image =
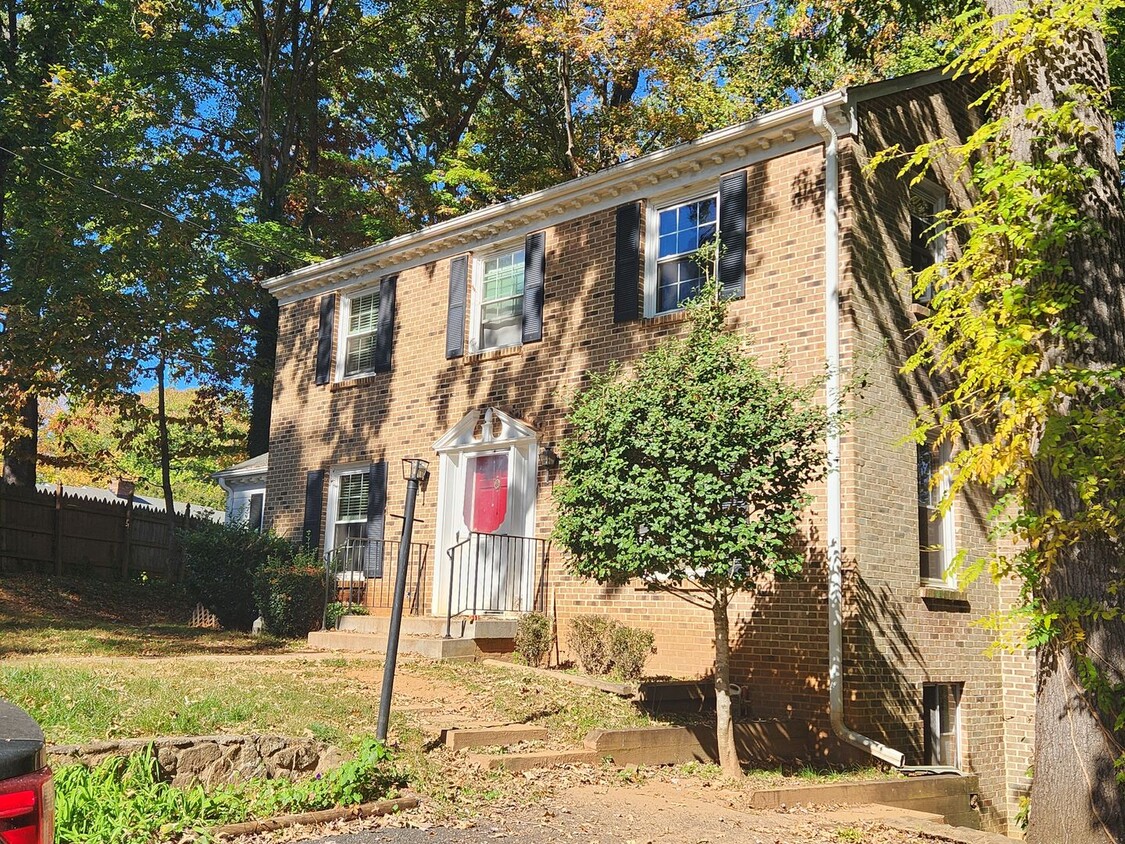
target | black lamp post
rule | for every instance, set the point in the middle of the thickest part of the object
(415, 470)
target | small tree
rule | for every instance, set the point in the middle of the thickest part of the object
(691, 473)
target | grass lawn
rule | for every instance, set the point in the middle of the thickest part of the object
(94, 661)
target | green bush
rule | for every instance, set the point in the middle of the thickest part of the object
(220, 562)
(629, 650)
(591, 637)
(127, 800)
(533, 637)
(338, 609)
(289, 593)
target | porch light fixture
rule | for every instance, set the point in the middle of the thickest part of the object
(548, 458)
(415, 469)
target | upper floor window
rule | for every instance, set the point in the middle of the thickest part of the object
(673, 273)
(935, 528)
(927, 235)
(361, 318)
(498, 311)
(359, 341)
(504, 301)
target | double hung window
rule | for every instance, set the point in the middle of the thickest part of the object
(675, 273)
(349, 493)
(935, 528)
(498, 315)
(362, 318)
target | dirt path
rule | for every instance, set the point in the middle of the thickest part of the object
(582, 803)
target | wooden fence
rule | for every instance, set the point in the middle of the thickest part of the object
(57, 533)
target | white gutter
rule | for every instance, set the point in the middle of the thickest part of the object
(834, 531)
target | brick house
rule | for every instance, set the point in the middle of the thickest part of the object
(461, 343)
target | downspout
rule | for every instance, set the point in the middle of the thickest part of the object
(834, 530)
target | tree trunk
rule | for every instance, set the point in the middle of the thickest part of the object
(724, 725)
(261, 396)
(166, 462)
(1074, 795)
(21, 451)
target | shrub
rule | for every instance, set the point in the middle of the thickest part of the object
(591, 638)
(289, 592)
(533, 637)
(338, 609)
(629, 650)
(220, 562)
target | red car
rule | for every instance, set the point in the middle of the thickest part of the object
(27, 787)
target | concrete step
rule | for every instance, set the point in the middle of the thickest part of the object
(430, 647)
(459, 739)
(423, 625)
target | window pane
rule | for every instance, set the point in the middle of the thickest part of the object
(677, 281)
(667, 245)
(364, 313)
(352, 504)
(360, 355)
(683, 228)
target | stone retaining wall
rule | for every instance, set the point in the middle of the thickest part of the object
(213, 760)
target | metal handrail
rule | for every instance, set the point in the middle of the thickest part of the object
(361, 572)
(494, 573)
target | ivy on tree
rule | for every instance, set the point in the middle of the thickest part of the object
(691, 471)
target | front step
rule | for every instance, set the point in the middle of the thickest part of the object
(421, 636)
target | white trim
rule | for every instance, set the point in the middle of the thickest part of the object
(475, 293)
(515, 438)
(694, 193)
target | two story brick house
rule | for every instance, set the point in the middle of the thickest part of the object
(462, 343)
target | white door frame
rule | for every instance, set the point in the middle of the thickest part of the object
(521, 444)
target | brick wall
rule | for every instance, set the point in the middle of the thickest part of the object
(897, 639)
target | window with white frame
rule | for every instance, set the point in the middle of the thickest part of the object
(941, 707)
(927, 235)
(360, 320)
(935, 528)
(348, 495)
(674, 234)
(497, 319)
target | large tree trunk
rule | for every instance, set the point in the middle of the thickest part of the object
(724, 725)
(166, 462)
(21, 450)
(262, 369)
(1074, 795)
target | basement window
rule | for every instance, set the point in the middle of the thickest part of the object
(941, 705)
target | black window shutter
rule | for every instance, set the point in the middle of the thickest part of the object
(385, 328)
(534, 271)
(324, 338)
(455, 318)
(627, 263)
(314, 503)
(376, 518)
(732, 235)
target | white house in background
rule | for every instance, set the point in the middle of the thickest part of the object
(245, 486)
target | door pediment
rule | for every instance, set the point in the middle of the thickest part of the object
(485, 428)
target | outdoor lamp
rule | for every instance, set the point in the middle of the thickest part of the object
(415, 469)
(548, 458)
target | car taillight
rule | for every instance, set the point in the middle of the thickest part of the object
(27, 809)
